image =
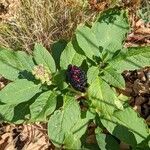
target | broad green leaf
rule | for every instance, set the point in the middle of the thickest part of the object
(19, 91)
(9, 68)
(135, 58)
(106, 141)
(21, 113)
(92, 73)
(80, 128)
(111, 29)
(8, 71)
(43, 106)
(71, 142)
(14, 114)
(87, 42)
(56, 131)
(11, 63)
(111, 76)
(57, 49)
(144, 145)
(78, 59)
(6, 112)
(25, 60)
(90, 115)
(66, 126)
(67, 56)
(42, 56)
(60, 79)
(63, 120)
(102, 96)
(126, 126)
(70, 56)
(88, 143)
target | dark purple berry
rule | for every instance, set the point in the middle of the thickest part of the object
(77, 78)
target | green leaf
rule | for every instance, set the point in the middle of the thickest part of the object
(144, 145)
(11, 63)
(80, 127)
(70, 56)
(66, 121)
(126, 126)
(111, 29)
(111, 76)
(57, 49)
(71, 142)
(21, 113)
(8, 71)
(42, 56)
(102, 96)
(78, 59)
(43, 106)
(6, 112)
(15, 114)
(62, 121)
(135, 58)
(19, 91)
(60, 79)
(25, 61)
(87, 41)
(92, 73)
(67, 56)
(106, 141)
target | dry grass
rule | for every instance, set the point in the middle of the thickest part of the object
(43, 21)
(24, 22)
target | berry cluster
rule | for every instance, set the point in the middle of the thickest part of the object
(77, 78)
